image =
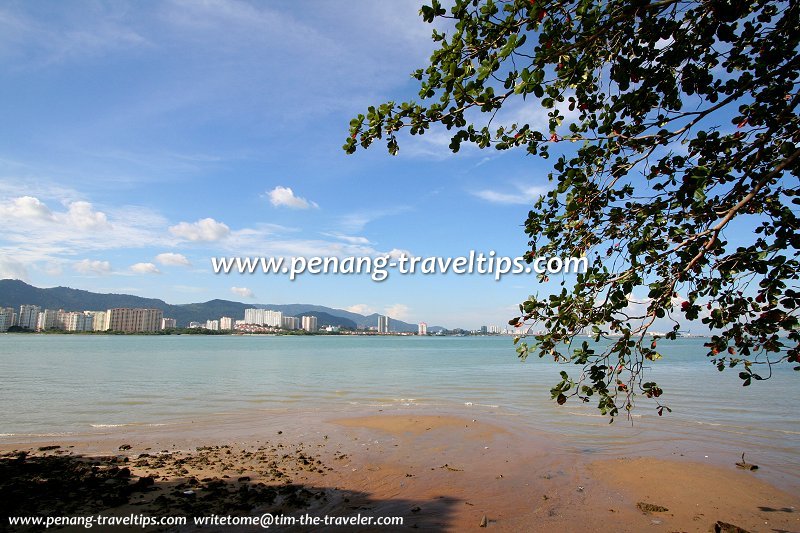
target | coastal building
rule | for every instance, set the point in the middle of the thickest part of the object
(28, 316)
(383, 324)
(7, 316)
(422, 328)
(264, 317)
(212, 325)
(226, 323)
(50, 319)
(99, 320)
(310, 324)
(134, 320)
(78, 321)
(253, 316)
(169, 323)
(291, 322)
(273, 318)
(195, 325)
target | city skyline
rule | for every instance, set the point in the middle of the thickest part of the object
(143, 320)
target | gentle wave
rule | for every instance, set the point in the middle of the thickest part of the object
(62, 434)
(489, 405)
(131, 424)
(598, 415)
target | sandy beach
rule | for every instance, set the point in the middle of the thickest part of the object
(440, 472)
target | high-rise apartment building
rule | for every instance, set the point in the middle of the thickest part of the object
(7, 318)
(383, 324)
(50, 319)
(264, 317)
(28, 316)
(226, 323)
(99, 320)
(422, 328)
(253, 316)
(134, 320)
(273, 318)
(291, 322)
(78, 321)
(310, 324)
(169, 323)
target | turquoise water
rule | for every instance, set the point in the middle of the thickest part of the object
(58, 384)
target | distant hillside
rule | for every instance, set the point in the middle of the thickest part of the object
(14, 293)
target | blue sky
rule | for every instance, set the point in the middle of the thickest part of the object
(141, 139)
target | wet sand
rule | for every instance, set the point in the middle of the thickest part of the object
(441, 472)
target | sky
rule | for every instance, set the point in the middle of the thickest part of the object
(140, 139)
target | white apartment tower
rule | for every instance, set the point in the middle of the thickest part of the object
(422, 328)
(99, 320)
(78, 321)
(263, 317)
(253, 316)
(28, 316)
(7, 317)
(50, 319)
(310, 324)
(383, 324)
(291, 322)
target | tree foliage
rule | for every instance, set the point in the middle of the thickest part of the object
(675, 125)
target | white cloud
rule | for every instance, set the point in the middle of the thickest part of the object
(433, 144)
(284, 196)
(355, 222)
(12, 269)
(397, 253)
(352, 239)
(81, 215)
(242, 292)
(361, 309)
(262, 240)
(523, 195)
(398, 311)
(34, 233)
(145, 268)
(89, 267)
(206, 229)
(172, 259)
(26, 207)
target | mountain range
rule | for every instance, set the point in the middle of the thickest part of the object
(14, 293)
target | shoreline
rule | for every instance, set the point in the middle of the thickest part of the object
(436, 470)
(673, 439)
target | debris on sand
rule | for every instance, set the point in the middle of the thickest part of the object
(648, 508)
(724, 527)
(744, 464)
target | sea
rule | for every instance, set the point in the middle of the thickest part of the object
(62, 385)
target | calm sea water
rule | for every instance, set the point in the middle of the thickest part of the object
(59, 384)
